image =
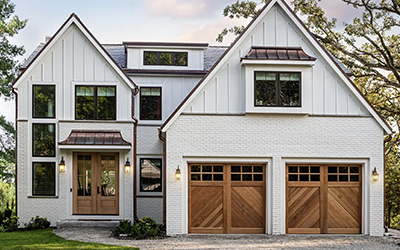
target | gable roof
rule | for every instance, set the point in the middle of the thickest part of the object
(42, 50)
(306, 32)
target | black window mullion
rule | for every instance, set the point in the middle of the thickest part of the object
(277, 90)
(95, 102)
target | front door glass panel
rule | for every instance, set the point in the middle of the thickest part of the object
(84, 175)
(108, 168)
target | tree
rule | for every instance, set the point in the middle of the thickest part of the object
(370, 48)
(9, 26)
(7, 150)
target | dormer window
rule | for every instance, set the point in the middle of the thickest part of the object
(277, 89)
(162, 58)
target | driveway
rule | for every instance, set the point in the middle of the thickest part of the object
(301, 242)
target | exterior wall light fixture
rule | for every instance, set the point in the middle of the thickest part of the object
(375, 175)
(178, 174)
(62, 165)
(127, 166)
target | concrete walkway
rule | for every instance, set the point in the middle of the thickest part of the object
(301, 242)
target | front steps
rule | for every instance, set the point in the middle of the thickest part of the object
(87, 223)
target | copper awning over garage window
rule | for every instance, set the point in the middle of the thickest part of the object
(94, 138)
(278, 53)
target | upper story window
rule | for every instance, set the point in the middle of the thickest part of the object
(165, 58)
(150, 103)
(150, 175)
(277, 89)
(95, 103)
(44, 140)
(44, 97)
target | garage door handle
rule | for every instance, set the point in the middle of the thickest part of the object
(98, 190)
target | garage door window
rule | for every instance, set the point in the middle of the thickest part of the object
(207, 173)
(304, 173)
(247, 173)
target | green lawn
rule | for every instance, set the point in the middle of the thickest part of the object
(45, 239)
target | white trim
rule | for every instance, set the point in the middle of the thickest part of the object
(88, 36)
(185, 182)
(278, 62)
(92, 147)
(366, 169)
(324, 54)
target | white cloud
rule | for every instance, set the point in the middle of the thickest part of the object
(185, 9)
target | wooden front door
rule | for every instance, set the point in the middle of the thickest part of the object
(96, 183)
(323, 199)
(226, 198)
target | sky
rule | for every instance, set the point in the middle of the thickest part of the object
(115, 21)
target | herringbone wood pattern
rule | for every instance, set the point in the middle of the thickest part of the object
(207, 207)
(304, 207)
(247, 207)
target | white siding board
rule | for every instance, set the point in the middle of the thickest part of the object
(79, 65)
(341, 99)
(270, 29)
(89, 63)
(330, 93)
(294, 40)
(281, 29)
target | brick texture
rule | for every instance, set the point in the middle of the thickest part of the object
(276, 137)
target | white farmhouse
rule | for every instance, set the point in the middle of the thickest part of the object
(267, 136)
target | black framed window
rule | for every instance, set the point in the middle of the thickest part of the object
(44, 99)
(95, 103)
(150, 103)
(44, 178)
(150, 174)
(165, 58)
(43, 140)
(277, 89)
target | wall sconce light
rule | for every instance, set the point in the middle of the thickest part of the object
(127, 166)
(375, 175)
(62, 165)
(178, 174)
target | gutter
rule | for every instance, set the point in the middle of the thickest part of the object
(16, 151)
(164, 175)
(134, 92)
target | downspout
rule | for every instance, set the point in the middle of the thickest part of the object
(16, 151)
(134, 92)
(389, 138)
(164, 175)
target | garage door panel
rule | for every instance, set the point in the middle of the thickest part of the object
(247, 207)
(304, 207)
(207, 207)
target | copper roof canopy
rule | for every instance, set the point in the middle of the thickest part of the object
(96, 138)
(278, 53)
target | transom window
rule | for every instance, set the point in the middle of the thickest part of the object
(277, 89)
(150, 175)
(44, 101)
(44, 178)
(150, 103)
(95, 103)
(43, 140)
(165, 58)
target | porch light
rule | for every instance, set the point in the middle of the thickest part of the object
(375, 175)
(178, 174)
(127, 166)
(62, 165)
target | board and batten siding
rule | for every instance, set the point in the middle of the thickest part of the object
(326, 93)
(71, 61)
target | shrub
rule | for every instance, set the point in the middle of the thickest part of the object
(142, 229)
(8, 221)
(37, 223)
(124, 227)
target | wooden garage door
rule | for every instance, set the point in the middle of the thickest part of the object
(226, 198)
(323, 199)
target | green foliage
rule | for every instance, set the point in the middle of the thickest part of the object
(8, 221)
(46, 239)
(7, 150)
(240, 9)
(7, 196)
(37, 223)
(142, 229)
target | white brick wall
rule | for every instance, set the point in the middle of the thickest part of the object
(150, 207)
(148, 142)
(60, 208)
(277, 137)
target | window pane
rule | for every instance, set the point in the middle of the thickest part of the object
(150, 58)
(150, 175)
(43, 178)
(106, 103)
(44, 140)
(150, 103)
(165, 58)
(85, 103)
(44, 101)
(265, 89)
(180, 58)
(289, 89)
